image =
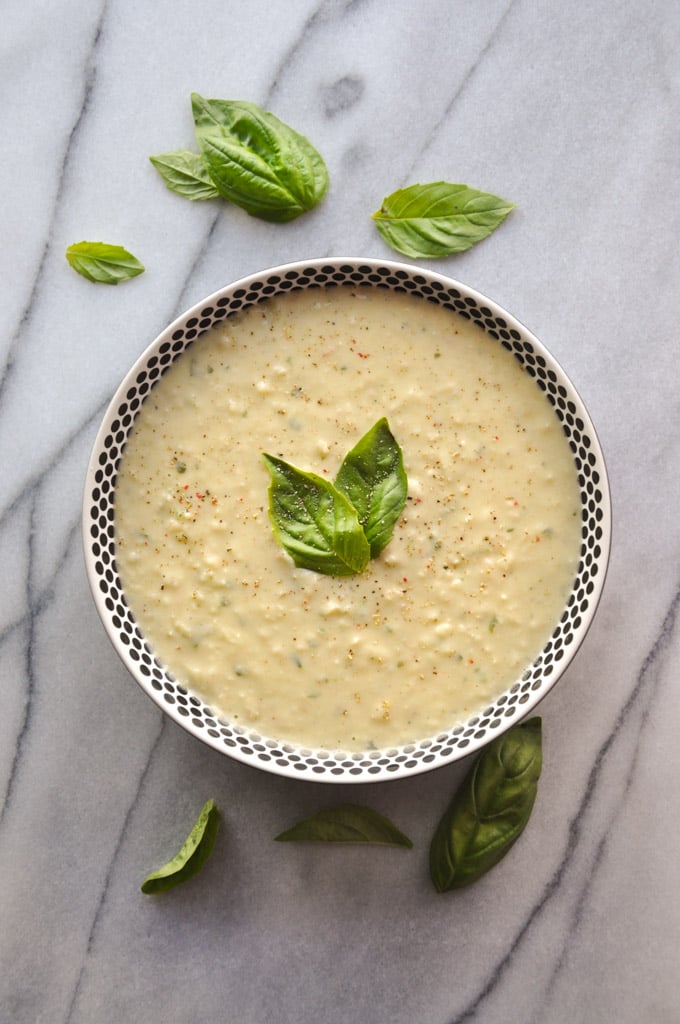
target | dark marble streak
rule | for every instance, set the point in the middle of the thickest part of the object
(467, 78)
(101, 903)
(89, 78)
(641, 699)
(37, 605)
(342, 95)
(325, 12)
(316, 18)
(37, 601)
(642, 695)
(53, 460)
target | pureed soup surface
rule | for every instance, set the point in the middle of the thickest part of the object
(456, 606)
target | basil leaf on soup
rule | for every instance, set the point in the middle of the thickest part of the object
(191, 856)
(490, 809)
(103, 263)
(346, 823)
(373, 478)
(257, 161)
(185, 173)
(439, 218)
(314, 522)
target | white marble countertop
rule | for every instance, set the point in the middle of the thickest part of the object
(571, 110)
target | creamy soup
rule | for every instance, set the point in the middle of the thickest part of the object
(457, 605)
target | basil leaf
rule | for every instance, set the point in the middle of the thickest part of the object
(257, 161)
(185, 173)
(490, 810)
(103, 263)
(314, 522)
(346, 823)
(192, 855)
(439, 218)
(372, 476)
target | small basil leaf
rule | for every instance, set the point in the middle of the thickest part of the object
(346, 823)
(490, 809)
(192, 855)
(373, 478)
(103, 263)
(257, 161)
(439, 218)
(314, 522)
(185, 173)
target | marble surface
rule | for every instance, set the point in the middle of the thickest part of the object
(571, 110)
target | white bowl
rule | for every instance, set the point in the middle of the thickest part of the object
(268, 753)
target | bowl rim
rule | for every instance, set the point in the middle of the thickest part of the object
(292, 768)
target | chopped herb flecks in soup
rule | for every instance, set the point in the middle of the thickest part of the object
(452, 610)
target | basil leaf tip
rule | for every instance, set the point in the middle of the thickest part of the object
(103, 263)
(438, 218)
(372, 476)
(335, 528)
(346, 823)
(490, 809)
(191, 856)
(186, 174)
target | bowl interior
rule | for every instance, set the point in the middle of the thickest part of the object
(266, 752)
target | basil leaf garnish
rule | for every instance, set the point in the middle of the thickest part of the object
(439, 218)
(192, 855)
(489, 810)
(185, 173)
(372, 476)
(346, 823)
(314, 522)
(103, 263)
(257, 161)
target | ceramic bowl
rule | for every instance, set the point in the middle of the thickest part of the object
(267, 753)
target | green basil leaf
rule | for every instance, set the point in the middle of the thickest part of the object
(314, 522)
(439, 218)
(192, 855)
(257, 161)
(185, 173)
(346, 823)
(373, 478)
(490, 810)
(103, 263)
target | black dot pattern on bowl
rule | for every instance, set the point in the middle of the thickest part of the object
(247, 745)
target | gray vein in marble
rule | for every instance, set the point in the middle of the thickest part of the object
(96, 917)
(342, 95)
(37, 604)
(649, 674)
(89, 78)
(646, 678)
(317, 16)
(53, 459)
(467, 78)
(314, 18)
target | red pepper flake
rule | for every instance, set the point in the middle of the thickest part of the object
(362, 355)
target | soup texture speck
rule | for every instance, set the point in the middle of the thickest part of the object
(457, 605)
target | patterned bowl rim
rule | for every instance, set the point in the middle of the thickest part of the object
(284, 758)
